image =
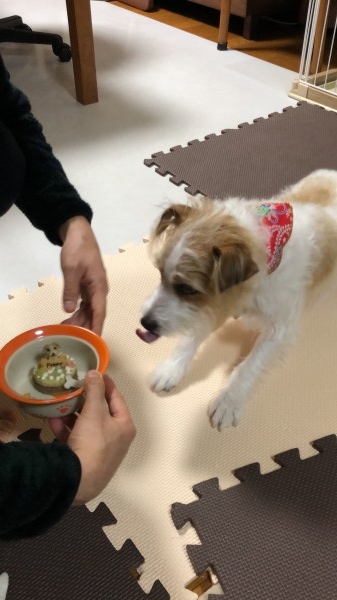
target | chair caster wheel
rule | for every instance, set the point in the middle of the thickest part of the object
(63, 51)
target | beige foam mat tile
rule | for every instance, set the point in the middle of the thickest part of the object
(295, 403)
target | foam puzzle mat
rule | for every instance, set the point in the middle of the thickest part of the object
(267, 490)
(257, 159)
(263, 537)
(83, 561)
(175, 448)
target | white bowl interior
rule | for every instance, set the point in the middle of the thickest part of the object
(20, 365)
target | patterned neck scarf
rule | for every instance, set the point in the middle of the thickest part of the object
(277, 218)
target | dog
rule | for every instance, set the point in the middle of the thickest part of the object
(254, 259)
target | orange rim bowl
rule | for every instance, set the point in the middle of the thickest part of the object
(73, 331)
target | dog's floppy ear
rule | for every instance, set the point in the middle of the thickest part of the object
(233, 264)
(172, 217)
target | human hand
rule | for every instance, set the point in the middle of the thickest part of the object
(7, 423)
(100, 435)
(84, 275)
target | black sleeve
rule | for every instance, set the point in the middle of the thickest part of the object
(38, 483)
(48, 199)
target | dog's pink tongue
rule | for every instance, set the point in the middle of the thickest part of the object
(147, 336)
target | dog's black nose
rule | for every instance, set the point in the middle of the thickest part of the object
(149, 324)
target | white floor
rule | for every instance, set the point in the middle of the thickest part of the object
(158, 87)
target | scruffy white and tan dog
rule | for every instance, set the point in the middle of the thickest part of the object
(254, 259)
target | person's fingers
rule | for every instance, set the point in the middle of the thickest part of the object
(73, 320)
(81, 318)
(61, 427)
(96, 296)
(98, 309)
(117, 406)
(71, 289)
(90, 316)
(7, 422)
(8, 415)
(95, 404)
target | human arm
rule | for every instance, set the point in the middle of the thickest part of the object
(47, 199)
(84, 275)
(100, 435)
(52, 204)
(40, 482)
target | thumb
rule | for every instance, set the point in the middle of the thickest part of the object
(94, 390)
(71, 292)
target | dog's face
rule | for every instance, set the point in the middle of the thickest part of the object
(203, 256)
(51, 350)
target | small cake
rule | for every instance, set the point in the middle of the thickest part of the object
(55, 370)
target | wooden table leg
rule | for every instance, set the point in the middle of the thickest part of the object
(320, 35)
(82, 48)
(225, 11)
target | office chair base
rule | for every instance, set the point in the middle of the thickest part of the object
(13, 29)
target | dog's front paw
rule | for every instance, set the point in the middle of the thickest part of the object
(166, 377)
(225, 411)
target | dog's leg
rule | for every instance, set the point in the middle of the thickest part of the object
(168, 374)
(227, 408)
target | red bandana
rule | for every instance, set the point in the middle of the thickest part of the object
(277, 218)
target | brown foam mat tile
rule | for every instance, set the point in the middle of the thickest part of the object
(273, 536)
(255, 160)
(75, 559)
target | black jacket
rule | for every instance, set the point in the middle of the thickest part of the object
(38, 482)
(47, 198)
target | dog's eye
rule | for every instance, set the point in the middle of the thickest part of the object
(183, 289)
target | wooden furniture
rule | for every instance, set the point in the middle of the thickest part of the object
(141, 4)
(317, 77)
(13, 29)
(225, 11)
(83, 53)
(326, 19)
(249, 10)
(319, 42)
(223, 5)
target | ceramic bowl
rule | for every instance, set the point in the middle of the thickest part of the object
(21, 354)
